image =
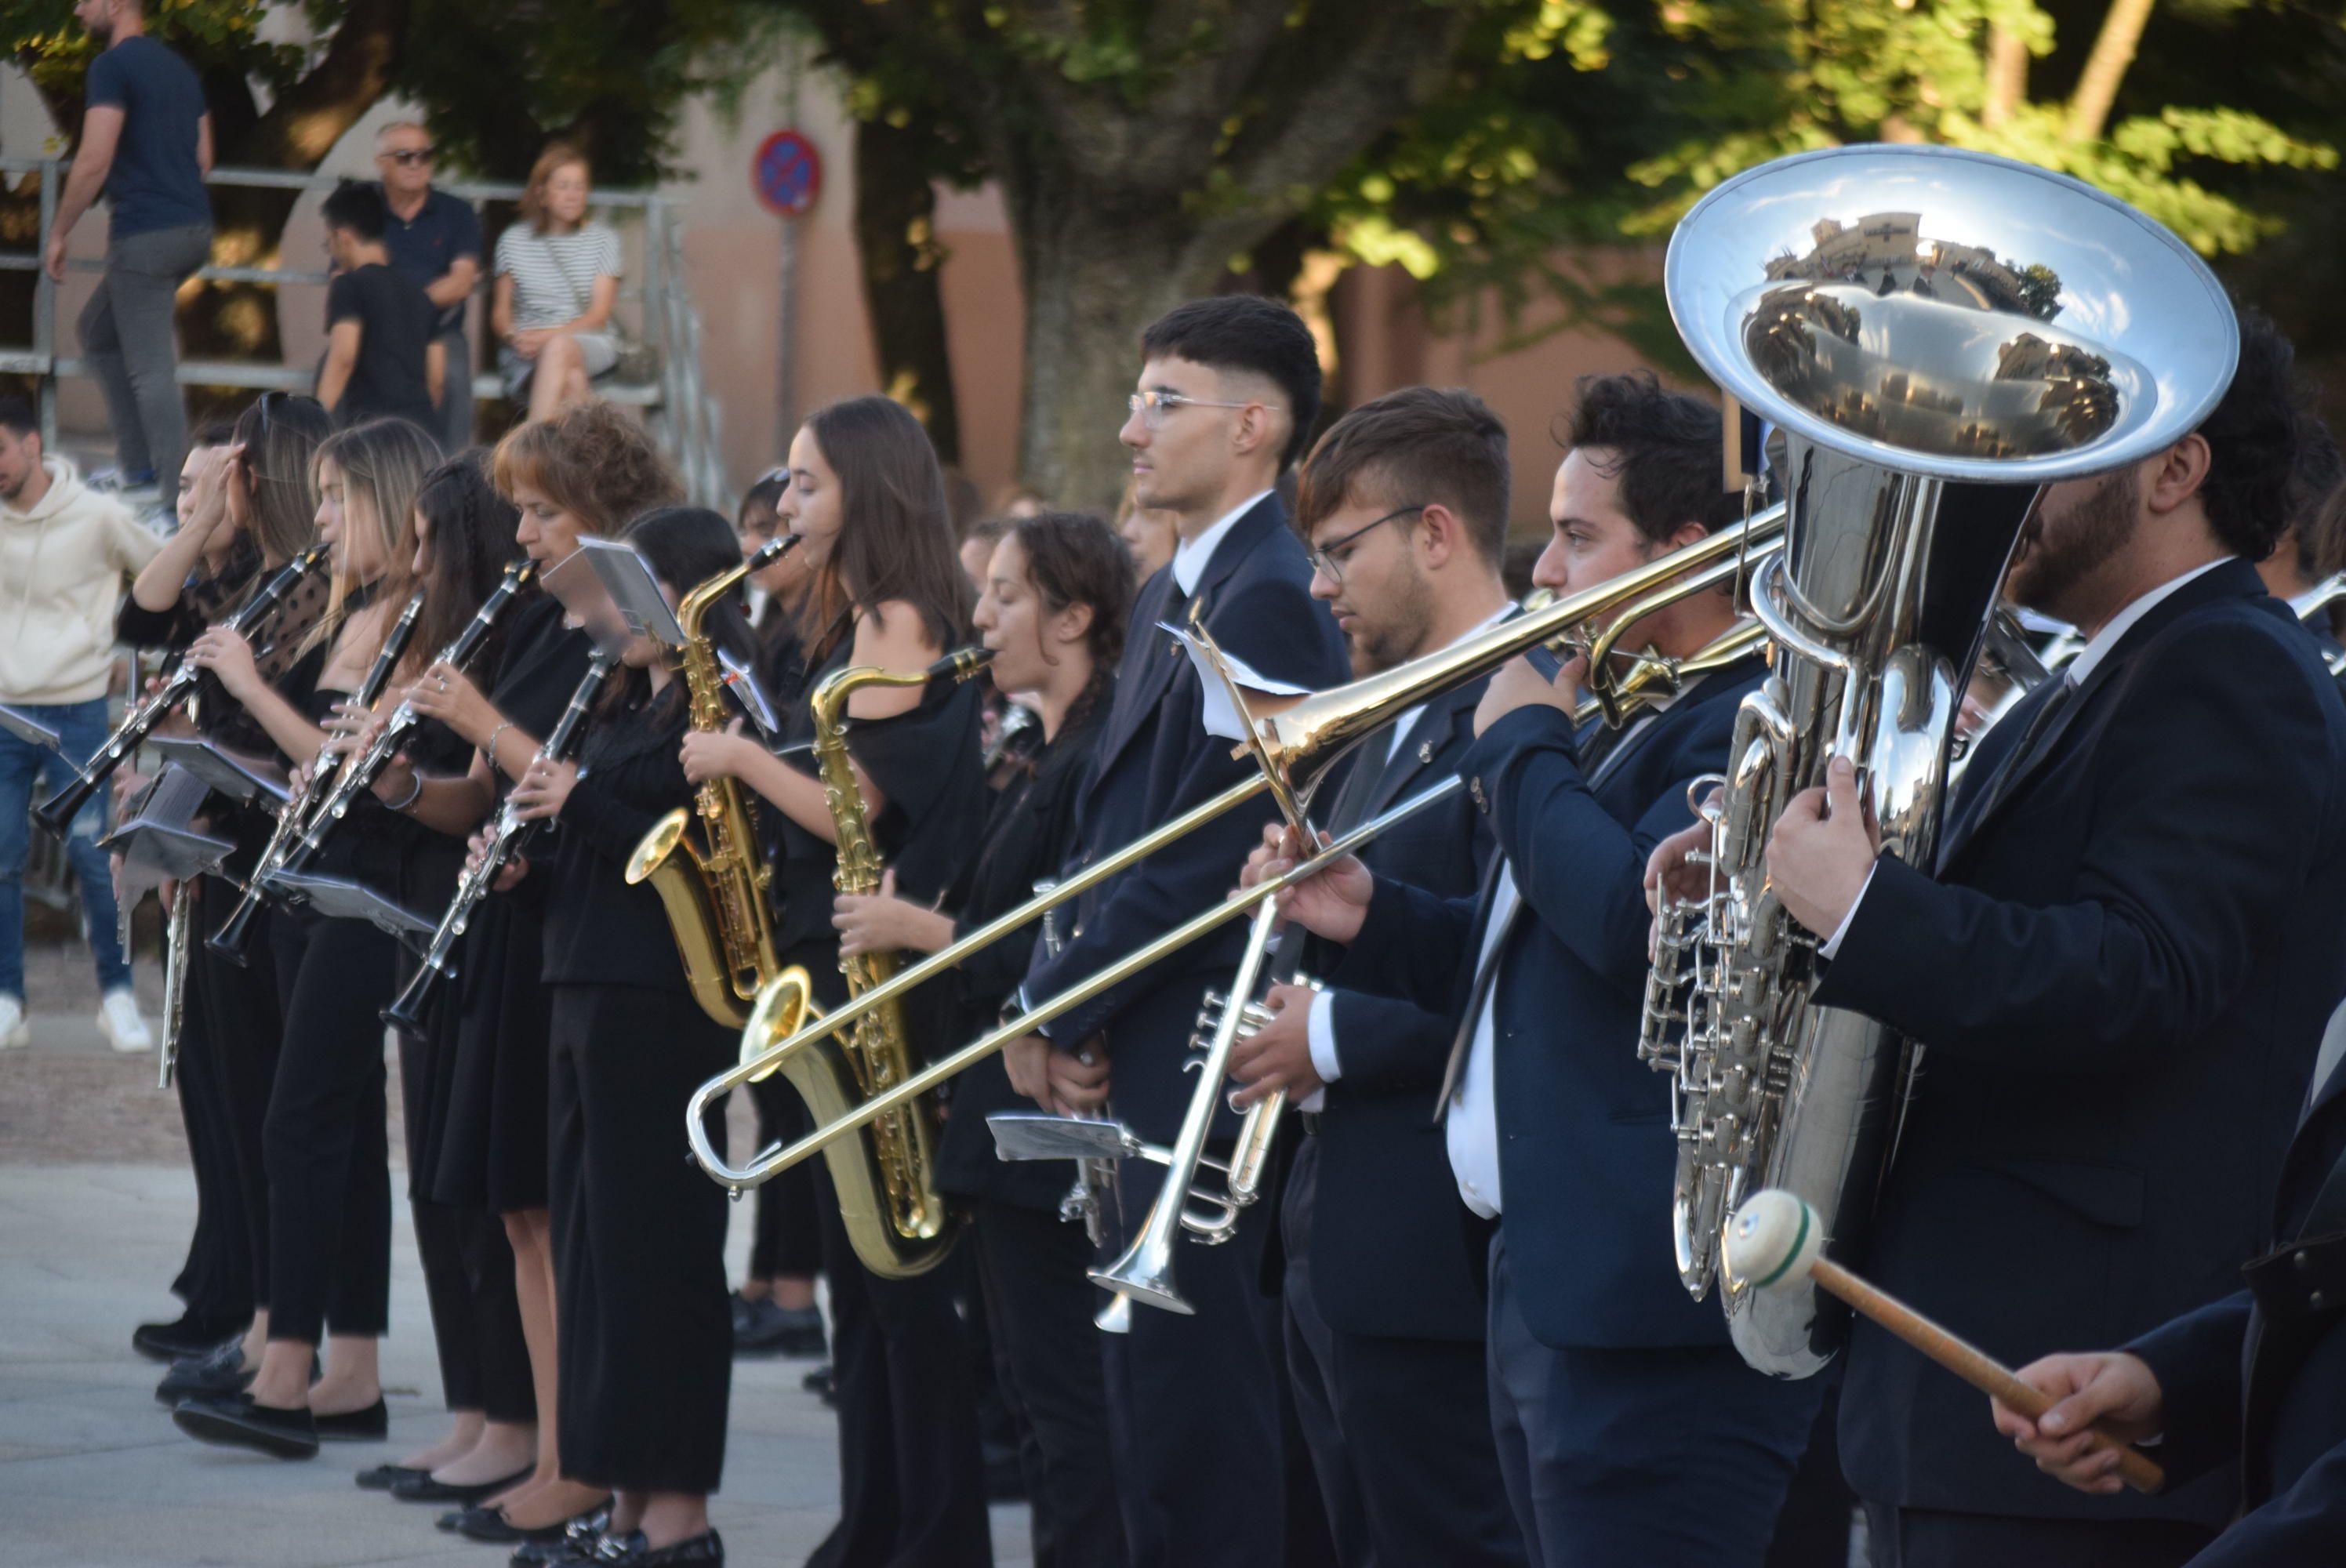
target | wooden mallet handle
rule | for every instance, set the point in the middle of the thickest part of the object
(1776, 1239)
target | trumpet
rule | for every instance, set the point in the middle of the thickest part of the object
(506, 837)
(286, 838)
(1294, 747)
(178, 685)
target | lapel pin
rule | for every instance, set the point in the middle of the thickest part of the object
(1425, 751)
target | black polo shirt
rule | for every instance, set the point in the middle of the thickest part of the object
(422, 247)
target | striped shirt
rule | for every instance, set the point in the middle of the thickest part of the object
(554, 274)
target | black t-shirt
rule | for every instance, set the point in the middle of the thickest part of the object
(394, 318)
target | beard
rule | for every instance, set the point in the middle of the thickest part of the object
(1398, 635)
(2061, 553)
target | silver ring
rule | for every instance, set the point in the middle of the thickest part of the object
(1084, 1059)
(443, 682)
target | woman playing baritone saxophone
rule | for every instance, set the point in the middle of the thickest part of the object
(323, 1140)
(1053, 611)
(868, 499)
(583, 473)
(246, 507)
(647, 1338)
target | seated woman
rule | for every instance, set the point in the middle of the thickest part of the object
(558, 276)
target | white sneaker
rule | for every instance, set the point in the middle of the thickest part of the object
(118, 1020)
(13, 1029)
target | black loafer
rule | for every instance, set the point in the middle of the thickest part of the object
(490, 1524)
(427, 1489)
(234, 1420)
(372, 1424)
(191, 1335)
(706, 1550)
(383, 1477)
(568, 1552)
(581, 1537)
(217, 1371)
(762, 1329)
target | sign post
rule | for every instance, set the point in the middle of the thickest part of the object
(787, 175)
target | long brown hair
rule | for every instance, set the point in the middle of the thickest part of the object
(1074, 558)
(895, 537)
(472, 543)
(280, 433)
(383, 460)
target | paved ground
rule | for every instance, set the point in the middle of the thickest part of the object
(96, 1203)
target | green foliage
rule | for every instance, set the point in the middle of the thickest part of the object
(55, 51)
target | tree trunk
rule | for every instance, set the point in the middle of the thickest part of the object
(2106, 67)
(2007, 75)
(895, 231)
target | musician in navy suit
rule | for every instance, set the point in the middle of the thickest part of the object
(1405, 503)
(1228, 391)
(2255, 1383)
(1628, 1428)
(2119, 973)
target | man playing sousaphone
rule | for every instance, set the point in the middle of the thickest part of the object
(1628, 1428)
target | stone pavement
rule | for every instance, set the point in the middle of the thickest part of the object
(95, 1203)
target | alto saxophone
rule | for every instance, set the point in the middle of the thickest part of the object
(885, 1175)
(714, 890)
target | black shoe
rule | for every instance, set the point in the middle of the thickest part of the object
(235, 1420)
(217, 1371)
(383, 1477)
(490, 1524)
(706, 1550)
(427, 1489)
(192, 1335)
(821, 1383)
(1004, 1481)
(372, 1424)
(581, 1536)
(596, 1548)
(762, 1329)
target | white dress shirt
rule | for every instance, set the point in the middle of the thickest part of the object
(1192, 557)
(1321, 1022)
(2097, 648)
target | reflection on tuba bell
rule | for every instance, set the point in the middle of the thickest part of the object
(1936, 334)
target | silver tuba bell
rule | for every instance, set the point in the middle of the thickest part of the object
(1935, 333)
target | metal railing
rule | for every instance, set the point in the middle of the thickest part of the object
(677, 406)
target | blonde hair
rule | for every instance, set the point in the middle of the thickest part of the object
(384, 461)
(558, 155)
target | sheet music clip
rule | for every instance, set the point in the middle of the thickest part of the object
(30, 731)
(1040, 1135)
(628, 577)
(337, 899)
(240, 779)
(742, 682)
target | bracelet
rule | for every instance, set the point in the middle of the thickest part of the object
(415, 793)
(502, 726)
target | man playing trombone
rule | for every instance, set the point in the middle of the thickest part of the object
(1405, 504)
(1628, 1428)
(1226, 397)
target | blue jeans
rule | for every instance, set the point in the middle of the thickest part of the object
(24, 769)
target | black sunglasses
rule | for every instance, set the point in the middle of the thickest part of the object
(413, 154)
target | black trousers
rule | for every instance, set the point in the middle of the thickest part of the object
(216, 1280)
(468, 1275)
(323, 1140)
(1194, 1424)
(788, 1241)
(645, 1327)
(244, 1027)
(1399, 1429)
(912, 1486)
(1031, 1270)
(1927, 1538)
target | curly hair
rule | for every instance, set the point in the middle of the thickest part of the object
(2255, 438)
(592, 460)
(1667, 451)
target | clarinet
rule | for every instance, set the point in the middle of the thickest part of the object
(508, 836)
(235, 931)
(178, 685)
(358, 777)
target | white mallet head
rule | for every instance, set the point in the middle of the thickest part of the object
(1772, 1240)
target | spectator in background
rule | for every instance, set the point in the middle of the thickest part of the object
(977, 548)
(65, 552)
(1148, 533)
(382, 358)
(557, 277)
(434, 240)
(146, 139)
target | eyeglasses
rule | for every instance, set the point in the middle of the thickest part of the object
(1323, 557)
(1152, 406)
(407, 156)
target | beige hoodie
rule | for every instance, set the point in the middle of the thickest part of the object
(62, 566)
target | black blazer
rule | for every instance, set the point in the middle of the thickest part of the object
(1389, 1247)
(2289, 1439)
(1585, 1156)
(2120, 976)
(1154, 761)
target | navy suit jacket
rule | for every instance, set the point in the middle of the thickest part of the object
(1154, 760)
(1390, 1246)
(2292, 1454)
(2119, 977)
(1585, 1155)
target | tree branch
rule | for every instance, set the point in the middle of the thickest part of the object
(308, 117)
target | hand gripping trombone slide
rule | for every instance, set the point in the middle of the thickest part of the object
(1295, 747)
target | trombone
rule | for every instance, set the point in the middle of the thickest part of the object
(1295, 749)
